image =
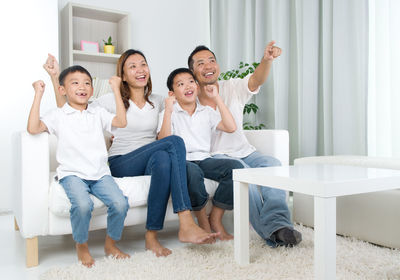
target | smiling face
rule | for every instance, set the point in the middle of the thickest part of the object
(136, 71)
(184, 89)
(205, 68)
(77, 86)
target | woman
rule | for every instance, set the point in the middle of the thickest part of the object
(136, 152)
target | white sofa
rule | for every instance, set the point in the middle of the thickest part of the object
(373, 217)
(41, 207)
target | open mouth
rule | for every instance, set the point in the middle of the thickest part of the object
(209, 74)
(82, 94)
(189, 93)
(141, 78)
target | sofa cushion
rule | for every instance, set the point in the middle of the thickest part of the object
(135, 188)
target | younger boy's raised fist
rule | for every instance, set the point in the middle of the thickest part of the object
(39, 86)
(211, 91)
(115, 82)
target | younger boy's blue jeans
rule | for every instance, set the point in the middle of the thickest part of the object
(219, 170)
(108, 192)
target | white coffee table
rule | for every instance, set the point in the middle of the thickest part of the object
(325, 183)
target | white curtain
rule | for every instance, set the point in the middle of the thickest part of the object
(384, 79)
(318, 87)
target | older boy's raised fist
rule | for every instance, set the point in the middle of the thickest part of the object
(51, 66)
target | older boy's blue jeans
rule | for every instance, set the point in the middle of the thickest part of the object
(108, 192)
(165, 161)
(267, 206)
(219, 170)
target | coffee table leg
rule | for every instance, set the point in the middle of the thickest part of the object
(241, 222)
(325, 238)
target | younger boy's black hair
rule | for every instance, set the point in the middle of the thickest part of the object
(196, 50)
(171, 77)
(72, 69)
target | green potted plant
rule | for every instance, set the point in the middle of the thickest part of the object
(243, 70)
(108, 46)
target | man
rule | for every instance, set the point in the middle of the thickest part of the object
(269, 214)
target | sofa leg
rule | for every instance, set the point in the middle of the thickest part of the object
(16, 227)
(32, 252)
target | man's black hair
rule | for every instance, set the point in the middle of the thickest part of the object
(171, 77)
(196, 50)
(72, 69)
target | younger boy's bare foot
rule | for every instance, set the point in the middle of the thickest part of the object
(154, 245)
(202, 219)
(216, 223)
(111, 249)
(83, 254)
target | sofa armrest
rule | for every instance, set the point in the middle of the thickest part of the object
(31, 182)
(270, 142)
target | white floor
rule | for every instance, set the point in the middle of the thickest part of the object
(59, 250)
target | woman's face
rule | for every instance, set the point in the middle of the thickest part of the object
(136, 71)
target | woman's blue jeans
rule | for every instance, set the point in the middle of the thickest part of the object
(268, 208)
(165, 161)
(108, 192)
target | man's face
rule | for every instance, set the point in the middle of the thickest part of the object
(205, 68)
(185, 88)
(78, 88)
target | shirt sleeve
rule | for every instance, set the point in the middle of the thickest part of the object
(106, 101)
(240, 88)
(51, 120)
(215, 118)
(106, 119)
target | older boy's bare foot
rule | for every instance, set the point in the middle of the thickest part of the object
(216, 223)
(83, 254)
(154, 245)
(111, 249)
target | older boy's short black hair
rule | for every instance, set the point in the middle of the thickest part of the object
(196, 50)
(72, 69)
(171, 77)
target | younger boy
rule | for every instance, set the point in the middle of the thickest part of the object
(195, 124)
(82, 155)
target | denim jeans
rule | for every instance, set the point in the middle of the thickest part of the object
(219, 170)
(165, 161)
(267, 206)
(108, 192)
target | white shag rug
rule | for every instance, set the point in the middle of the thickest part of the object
(355, 260)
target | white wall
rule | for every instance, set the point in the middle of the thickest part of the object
(165, 31)
(28, 31)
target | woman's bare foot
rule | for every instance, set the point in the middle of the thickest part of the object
(216, 223)
(83, 254)
(154, 245)
(190, 232)
(111, 249)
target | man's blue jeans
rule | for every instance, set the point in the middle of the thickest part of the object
(219, 170)
(267, 206)
(108, 192)
(165, 161)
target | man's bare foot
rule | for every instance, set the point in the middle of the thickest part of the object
(83, 254)
(190, 232)
(111, 249)
(154, 245)
(216, 223)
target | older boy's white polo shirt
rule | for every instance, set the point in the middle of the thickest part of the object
(81, 148)
(235, 93)
(195, 130)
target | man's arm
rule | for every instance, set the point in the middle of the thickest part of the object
(227, 122)
(35, 125)
(166, 124)
(261, 73)
(120, 118)
(53, 69)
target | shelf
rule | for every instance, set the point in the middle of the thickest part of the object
(95, 57)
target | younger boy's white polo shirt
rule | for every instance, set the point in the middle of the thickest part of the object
(195, 130)
(81, 148)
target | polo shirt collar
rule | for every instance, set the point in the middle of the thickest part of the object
(199, 107)
(69, 110)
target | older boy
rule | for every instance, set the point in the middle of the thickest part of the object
(82, 156)
(269, 214)
(195, 124)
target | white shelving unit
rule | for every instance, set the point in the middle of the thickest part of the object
(81, 22)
